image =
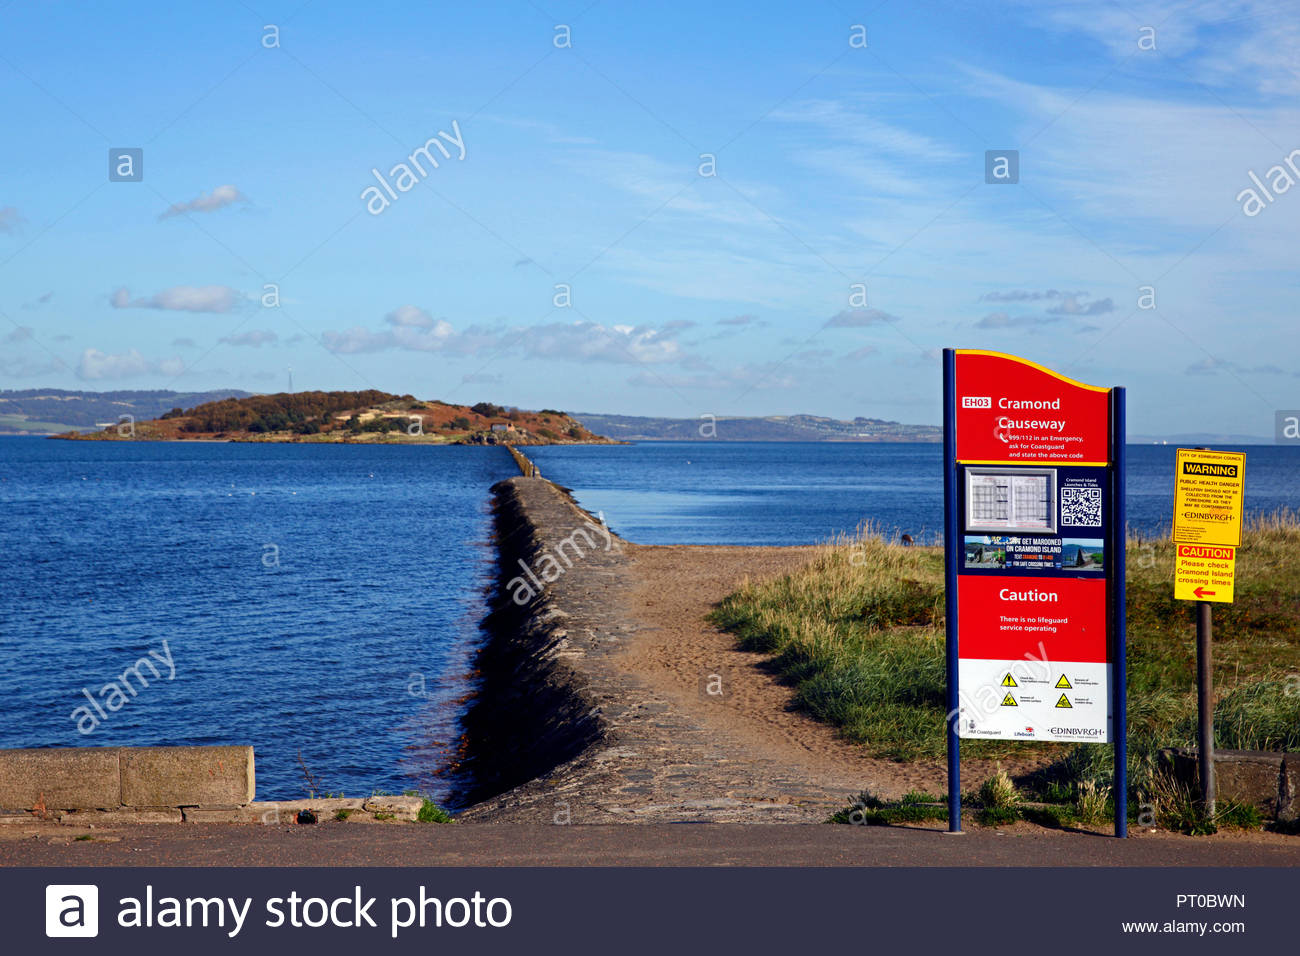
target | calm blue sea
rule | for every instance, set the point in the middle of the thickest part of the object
(325, 599)
(315, 599)
(804, 493)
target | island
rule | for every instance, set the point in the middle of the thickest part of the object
(365, 416)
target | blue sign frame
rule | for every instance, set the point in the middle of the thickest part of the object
(1115, 537)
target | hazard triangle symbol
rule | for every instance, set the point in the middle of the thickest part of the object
(1064, 702)
(1064, 682)
(1009, 681)
(1010, 701)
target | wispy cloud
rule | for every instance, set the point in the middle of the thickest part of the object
(255, 338)
(1071, 305)
(591, 341)
(413, 329)
(181, 298)
(762, 376)
(439, 337)
(1003, 320)
(96, 365)
(1024, 295)
(857, 355)
(1211, 366)
(1220, 42)
(859, 318)
(219, 198)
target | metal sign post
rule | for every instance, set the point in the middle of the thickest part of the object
(1209, 498)
(1034, 540)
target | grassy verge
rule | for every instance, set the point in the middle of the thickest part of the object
(859, 633)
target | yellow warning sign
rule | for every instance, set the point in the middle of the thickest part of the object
(1204, 572)
(1064, 702)
(1064, 682)
(1009, 701)
(1209, 489)
(1009, 681)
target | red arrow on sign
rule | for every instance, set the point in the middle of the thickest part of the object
(1200, 592)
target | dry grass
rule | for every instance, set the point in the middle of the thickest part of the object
(860, 634)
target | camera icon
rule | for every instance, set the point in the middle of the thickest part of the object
(71, 909)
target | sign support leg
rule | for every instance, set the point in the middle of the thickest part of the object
(953, 547)
(1205, 702)
(1116, 558)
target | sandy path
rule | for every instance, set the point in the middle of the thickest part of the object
(673, 589)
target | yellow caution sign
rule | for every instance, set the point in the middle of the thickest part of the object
(1209, 491)
(1204, 572)
(1009, 681)
(1064, 682)
(1064, 702)
(1009, 701)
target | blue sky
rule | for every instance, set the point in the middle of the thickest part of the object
(835, 167)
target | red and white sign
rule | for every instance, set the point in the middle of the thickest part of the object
(1032, 651)
(1010, 411)
(1033, 658)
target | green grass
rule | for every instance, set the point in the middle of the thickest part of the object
(859, 634)
(914, 807)
(430, 812)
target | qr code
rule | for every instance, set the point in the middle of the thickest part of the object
(1081, 507)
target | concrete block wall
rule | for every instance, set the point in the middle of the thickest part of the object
(109, 778)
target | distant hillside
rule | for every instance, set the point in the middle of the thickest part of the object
(49, 411)
(771, 428)
(367, 416)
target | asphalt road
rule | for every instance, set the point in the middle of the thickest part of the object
(353, 844)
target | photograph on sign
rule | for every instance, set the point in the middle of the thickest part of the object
(993, 552)
(1009, 500)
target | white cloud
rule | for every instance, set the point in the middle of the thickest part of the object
(206, 202)
(181, 298)
(438, 337)
(96, 365)
(410, 316)
(591, 341)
